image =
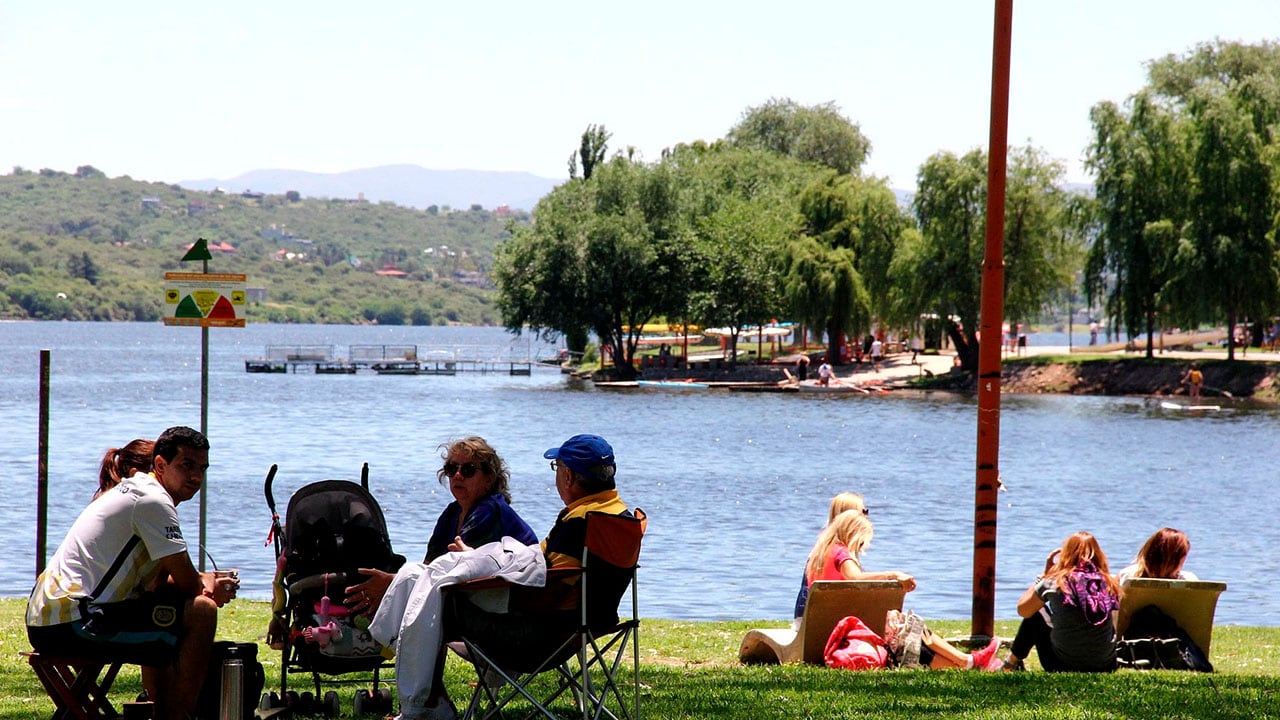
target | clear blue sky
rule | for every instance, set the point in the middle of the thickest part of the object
(170, 91)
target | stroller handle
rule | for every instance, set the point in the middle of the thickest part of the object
(266, 487)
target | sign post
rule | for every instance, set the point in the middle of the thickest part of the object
(206, 300)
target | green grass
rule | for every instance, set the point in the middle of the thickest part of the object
(690, 670)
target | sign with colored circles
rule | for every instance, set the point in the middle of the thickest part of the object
(204, 299)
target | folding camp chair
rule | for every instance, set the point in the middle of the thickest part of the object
(569, 629)
(830, 601)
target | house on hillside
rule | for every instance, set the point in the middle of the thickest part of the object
(391, 271)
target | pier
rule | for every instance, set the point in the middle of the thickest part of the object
(390, 360)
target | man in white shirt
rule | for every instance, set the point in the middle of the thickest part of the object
(122, 586)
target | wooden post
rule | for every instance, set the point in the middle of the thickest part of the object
(988, 453)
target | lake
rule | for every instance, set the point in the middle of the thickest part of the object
(736, 485)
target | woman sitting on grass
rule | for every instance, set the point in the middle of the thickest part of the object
(1069, 612)
(1161, 556)
(836, 557)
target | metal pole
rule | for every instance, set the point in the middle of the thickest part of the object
(42, 466)
(988, 456)
(204, 425)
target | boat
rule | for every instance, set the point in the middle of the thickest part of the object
(836, 386)
(1192, 408)
(335, 367)
(671, 385)
(265, 365)
(396, 367)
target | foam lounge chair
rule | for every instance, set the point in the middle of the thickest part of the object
(829, 602)
(1191, 603)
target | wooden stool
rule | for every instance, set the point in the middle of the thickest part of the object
(77, 685)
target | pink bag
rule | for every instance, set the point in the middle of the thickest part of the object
(854, 646)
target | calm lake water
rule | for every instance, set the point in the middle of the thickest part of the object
(736, 484)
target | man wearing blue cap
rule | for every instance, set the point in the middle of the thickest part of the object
(584, 468)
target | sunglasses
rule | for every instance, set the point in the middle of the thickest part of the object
(467, 469)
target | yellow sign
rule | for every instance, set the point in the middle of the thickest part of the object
(204, 299)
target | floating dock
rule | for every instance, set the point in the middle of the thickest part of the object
(390, 360)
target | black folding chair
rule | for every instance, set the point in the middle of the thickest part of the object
(569, 629)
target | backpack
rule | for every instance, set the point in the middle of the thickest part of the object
(854, 646)
(1155, 641)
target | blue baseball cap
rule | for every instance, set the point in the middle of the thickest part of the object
(582, 453)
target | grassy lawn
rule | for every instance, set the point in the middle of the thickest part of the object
(690, 670)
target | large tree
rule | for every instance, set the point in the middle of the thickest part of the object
(604, 254)
(1226, 264)
(1140, 159)
(815, 133)
(939, 270)
(837, 273)
(740, 208)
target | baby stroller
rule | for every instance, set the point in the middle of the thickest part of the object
(332, 527)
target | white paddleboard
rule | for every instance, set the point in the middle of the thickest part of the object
(1175, 406)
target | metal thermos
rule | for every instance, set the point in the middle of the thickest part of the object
(232, 705)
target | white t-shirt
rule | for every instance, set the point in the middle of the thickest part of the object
(139, 507)
(1132, 572)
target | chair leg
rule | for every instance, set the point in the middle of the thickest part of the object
(75, 687)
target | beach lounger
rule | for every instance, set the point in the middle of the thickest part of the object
(829, 602)
(1191, 603)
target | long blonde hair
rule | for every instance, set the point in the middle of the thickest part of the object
(845, 501)
(851, 529)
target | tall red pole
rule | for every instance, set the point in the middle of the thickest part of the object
(988, 458)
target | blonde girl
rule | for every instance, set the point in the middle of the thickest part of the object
(837, 553)
(839, 503)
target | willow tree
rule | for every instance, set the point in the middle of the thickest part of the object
(1142, 173)
(837, 274)
(1226, 264)
(939, 270)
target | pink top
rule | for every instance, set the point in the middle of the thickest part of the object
(835, 558)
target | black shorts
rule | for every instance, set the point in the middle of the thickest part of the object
(143, 631)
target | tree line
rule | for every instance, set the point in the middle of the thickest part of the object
(776, 220)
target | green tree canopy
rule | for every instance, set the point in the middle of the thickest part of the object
(817, 134)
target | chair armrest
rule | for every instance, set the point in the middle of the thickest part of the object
(559, 593)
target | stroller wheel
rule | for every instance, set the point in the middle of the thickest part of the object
(291, 701)
(384, 701)
(330, 707)
(269, 700)
(362, 704)
(307, 703)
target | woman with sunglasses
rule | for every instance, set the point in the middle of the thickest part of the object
(481, 510)
(480, 513)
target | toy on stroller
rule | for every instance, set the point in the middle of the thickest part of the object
(332, 528)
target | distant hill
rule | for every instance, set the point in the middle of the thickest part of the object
(407, 185)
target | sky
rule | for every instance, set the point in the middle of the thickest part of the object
(170, 91)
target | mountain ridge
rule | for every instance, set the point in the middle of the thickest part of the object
(404, 184)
